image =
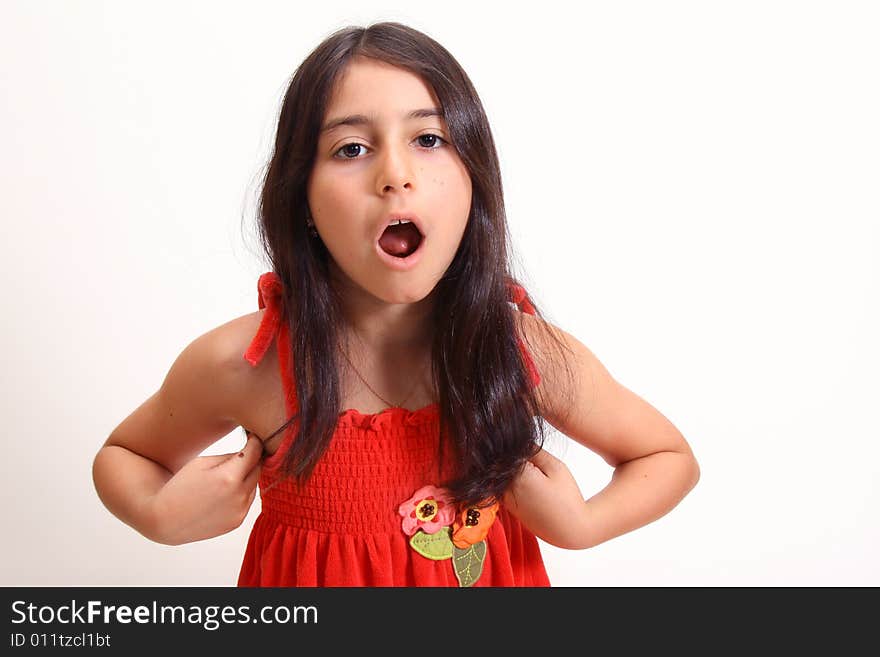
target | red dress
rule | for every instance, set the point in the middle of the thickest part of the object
(343, 527)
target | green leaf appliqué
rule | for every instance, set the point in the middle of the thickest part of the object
(468, 563)
(436, 546)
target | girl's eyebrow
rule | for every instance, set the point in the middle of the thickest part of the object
(361, 119)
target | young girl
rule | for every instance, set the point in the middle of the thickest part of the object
(395, 382)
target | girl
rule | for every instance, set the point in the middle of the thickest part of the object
(409, 372)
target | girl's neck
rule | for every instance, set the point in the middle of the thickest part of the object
(384, 328)
(386, 351)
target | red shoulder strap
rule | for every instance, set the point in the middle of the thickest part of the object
(520, 297)
(270, 296)
(269, 291)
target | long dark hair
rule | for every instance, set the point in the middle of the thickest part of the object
(485, 397)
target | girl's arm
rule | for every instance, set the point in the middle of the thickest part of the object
(127, 483)
(147, 473)
(654, 467)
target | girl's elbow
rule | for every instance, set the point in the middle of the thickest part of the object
(569, 540)
(694, 474)
(576, 545)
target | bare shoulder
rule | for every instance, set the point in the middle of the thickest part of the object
(200, 400)
(228, 344)
(215, 369)
(580, 398)
(556, 355)
(231, 340)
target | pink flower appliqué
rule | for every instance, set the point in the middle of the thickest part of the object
(428, 509)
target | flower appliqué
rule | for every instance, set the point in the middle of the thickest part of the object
(438, 531)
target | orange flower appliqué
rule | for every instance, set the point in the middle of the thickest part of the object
(472, 525)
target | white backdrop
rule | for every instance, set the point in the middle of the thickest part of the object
(692, 189)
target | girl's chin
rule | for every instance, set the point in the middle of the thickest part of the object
(385, 286)
(402, 292)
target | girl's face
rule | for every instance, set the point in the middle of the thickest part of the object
(365, 171)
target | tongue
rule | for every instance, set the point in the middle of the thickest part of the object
(400, 240)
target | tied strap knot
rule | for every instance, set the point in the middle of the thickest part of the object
(269, 293)
(520, 297)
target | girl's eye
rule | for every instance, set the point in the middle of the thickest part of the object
(431, 136)
(350, 151)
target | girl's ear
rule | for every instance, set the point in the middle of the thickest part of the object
(311, 223)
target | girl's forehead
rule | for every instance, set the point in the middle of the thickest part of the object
(370, 86)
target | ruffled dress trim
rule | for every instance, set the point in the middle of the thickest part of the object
(389, 417)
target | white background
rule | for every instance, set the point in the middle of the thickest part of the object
(692, 188)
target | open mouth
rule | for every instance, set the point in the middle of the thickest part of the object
(400, 239)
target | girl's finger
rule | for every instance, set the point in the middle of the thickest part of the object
(214, 460)
(253, 477)
(245, 460)
(545, 462)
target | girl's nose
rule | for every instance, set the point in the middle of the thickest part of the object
(395, 171)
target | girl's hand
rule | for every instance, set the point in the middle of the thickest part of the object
(547, 501)
(207, 497)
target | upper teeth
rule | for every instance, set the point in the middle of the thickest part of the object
(399, 221)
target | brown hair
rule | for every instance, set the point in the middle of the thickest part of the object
(485, 398)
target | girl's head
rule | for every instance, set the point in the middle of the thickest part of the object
(347, 180)
(376, 121)
(384, 149)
